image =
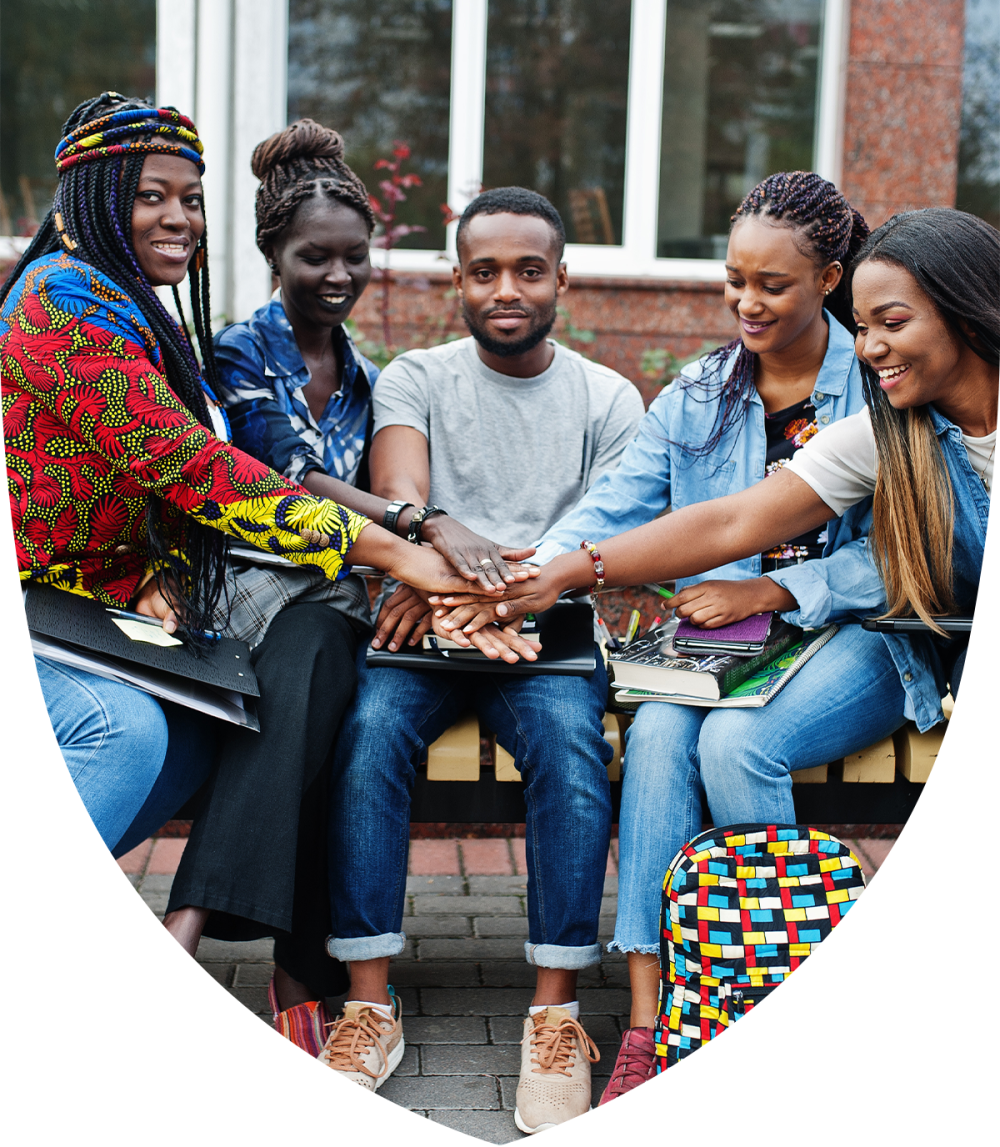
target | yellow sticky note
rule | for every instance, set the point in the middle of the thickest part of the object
(151, 634)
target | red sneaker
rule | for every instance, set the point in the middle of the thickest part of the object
(635, 1064)
(306, 1025)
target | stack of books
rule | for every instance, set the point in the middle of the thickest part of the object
(651, 668)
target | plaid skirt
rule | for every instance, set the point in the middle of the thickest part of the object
(257, 594)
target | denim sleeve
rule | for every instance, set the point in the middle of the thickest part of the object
(620, 499)
(259, 424)
(825, 588)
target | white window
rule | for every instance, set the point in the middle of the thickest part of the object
(645, 121)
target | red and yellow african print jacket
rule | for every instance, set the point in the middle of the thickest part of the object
(92, 429)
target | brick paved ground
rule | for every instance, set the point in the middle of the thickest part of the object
(463, 979)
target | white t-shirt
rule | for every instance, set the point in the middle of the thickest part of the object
(841, 462)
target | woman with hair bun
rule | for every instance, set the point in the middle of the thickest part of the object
(739, 413)
(295, 387)
(298, 394)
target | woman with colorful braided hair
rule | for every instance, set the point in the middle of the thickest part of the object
(739, 413)
(123, 488)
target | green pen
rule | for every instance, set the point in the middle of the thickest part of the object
(658, 589)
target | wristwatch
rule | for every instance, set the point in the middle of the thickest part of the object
(417, 521)
(391, 515)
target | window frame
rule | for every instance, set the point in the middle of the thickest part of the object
(636, 256)
(227, 62)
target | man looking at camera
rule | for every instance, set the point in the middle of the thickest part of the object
(505, 430)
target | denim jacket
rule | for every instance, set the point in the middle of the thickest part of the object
(917, 657)
(655, 472)
(263, 376)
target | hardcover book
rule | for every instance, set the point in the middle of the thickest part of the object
(757, 690)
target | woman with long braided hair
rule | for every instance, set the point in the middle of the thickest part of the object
(730, 418)
(123, 488)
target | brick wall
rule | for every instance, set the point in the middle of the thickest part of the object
(904, 105)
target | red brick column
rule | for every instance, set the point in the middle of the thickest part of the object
(904, 104)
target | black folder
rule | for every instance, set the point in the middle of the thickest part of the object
(566, 632)
(79, 631)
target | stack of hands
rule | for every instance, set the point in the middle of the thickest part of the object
(503, 588)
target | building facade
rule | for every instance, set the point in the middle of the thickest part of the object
(645, 121)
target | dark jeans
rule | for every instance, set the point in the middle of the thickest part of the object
(257, 852)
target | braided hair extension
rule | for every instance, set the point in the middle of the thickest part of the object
(303, 160)
(826, 229)
(91, 217)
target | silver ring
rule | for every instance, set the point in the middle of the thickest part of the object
(486, 562)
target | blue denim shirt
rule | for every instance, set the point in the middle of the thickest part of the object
(263, 376)
(656, 472)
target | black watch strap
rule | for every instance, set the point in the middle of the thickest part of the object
(391, 515)
(417, 521)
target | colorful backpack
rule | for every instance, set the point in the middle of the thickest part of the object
(742, 907)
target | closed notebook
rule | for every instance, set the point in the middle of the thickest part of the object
(566, 632)
(747, 636)
(79, 632)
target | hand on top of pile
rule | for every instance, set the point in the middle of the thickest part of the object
(474, 557)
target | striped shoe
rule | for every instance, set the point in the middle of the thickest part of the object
(306, 1025)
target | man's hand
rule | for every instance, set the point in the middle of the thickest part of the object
(404, 614)
(475, 558)
(713, 603)
(496, 642)
(150, 602)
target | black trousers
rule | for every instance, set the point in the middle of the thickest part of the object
(257, 852)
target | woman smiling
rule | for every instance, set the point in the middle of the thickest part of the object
(123, 488)
(928, 343)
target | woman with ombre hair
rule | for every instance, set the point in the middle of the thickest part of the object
(913, 470)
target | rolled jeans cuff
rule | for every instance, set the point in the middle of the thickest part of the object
(562, 955)
(358, 948)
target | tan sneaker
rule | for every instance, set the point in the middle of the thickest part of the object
(364, 1046)
(556, 1054)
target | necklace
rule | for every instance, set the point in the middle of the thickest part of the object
(982, 477)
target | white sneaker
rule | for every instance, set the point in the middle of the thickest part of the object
(554, 1087)
(364, 1045)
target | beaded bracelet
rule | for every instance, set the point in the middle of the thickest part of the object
(595, 557)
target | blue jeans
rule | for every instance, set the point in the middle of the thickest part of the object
(847, 697)
(134, 761)
(552, 726)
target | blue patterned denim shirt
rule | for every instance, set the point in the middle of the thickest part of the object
(263, 376)
(655, 472)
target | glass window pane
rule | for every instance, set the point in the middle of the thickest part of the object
(53, 56)
(379, 73)
(556, 104)
(739, 103)
(979, 147)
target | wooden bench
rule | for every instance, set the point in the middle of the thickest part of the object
(879, 785)
(462, 784)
